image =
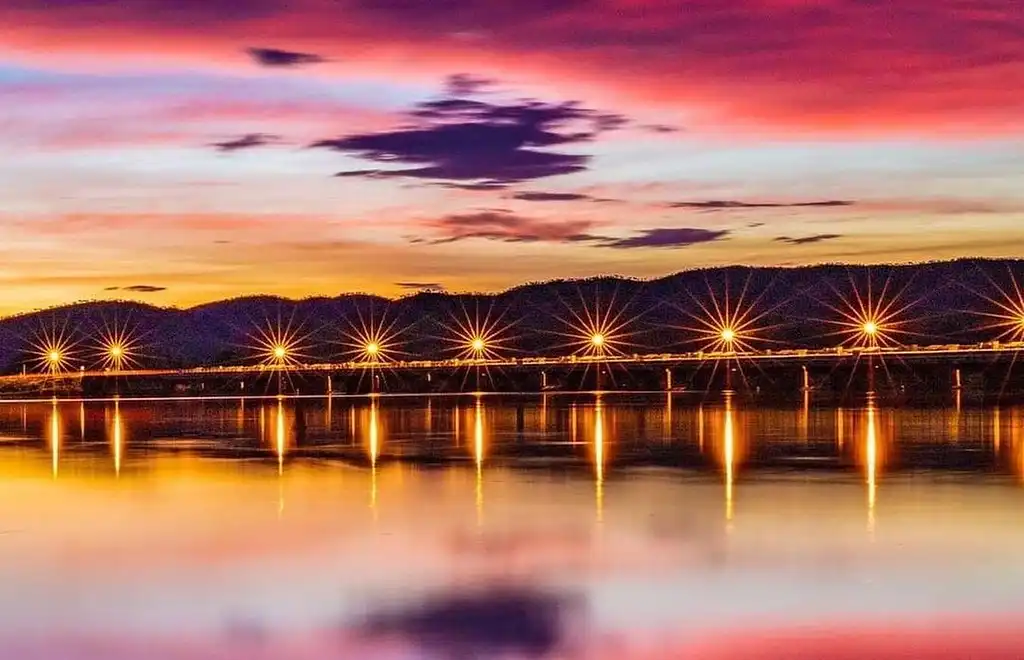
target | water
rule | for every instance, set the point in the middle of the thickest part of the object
(464, 527)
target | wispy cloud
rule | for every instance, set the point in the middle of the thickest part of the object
(248, 141)
(675, 237)
(137, 288)
(273, 57)
(806, 240)
(717, 204)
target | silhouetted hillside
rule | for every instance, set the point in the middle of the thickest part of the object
(930, 303)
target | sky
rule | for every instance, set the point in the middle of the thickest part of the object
(182, 152)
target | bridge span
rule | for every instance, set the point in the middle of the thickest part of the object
(974, 366)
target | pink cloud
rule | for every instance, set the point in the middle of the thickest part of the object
(838, 66)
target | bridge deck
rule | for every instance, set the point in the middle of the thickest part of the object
(948, 352)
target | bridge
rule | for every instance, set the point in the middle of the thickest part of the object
(948, 365)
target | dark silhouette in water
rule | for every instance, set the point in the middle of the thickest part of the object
(482, 624)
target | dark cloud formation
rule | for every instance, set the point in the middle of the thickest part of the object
(501, 225)
(666, 238)
(476, 187)
(550, 197)
(137, 288)
(465, 84)
(272, 57)
(717, 204)
(421, 286)
(484, 624)
(248, 141)
(804, 240)
(661, 128)
(461, 139)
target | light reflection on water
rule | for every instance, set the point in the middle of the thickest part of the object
(637, 504)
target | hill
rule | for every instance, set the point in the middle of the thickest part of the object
(930, 303)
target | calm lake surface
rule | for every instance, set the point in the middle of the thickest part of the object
(536, 526)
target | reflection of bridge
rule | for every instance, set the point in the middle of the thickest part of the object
(532, 372)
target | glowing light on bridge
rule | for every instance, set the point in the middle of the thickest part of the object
(477, 336)
(1007, 313)
(117, 347)
(725, 322)
(280, 345)
(54, 349)
(867, 318)
(373, 338)
(595, 328)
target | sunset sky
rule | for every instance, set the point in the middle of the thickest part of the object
(179, 152)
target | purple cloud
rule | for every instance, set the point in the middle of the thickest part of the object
(501, 225)
(137, 288)
(458, 139)
(247, 141)
(272, 57)
(550, 197)
(717, 204)
(421, 286)
(666, 238)
(804, 240)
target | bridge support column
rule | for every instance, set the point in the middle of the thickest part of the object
(668, 380)
(543, 380)
(957, 382)
(330, 385)
(807, 379)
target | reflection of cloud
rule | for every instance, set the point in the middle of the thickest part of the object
(484, 624)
